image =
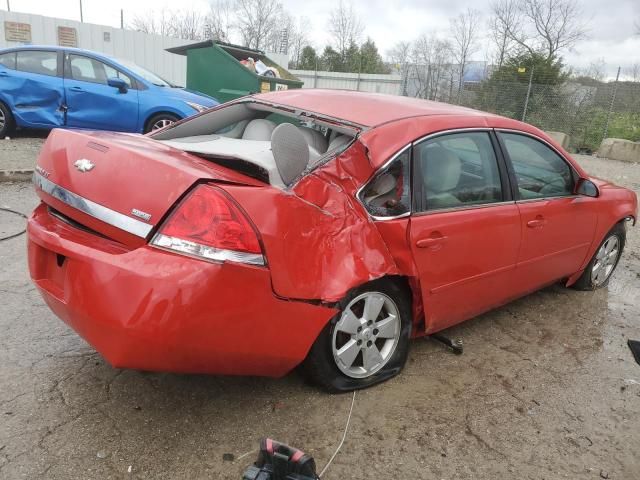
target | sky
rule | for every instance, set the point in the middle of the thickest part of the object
(612, 37)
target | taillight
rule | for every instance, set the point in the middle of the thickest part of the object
(209, 225)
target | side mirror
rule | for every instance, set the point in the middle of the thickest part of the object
(587, 187)
(118, 83)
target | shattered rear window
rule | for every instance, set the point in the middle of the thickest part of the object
(388, 193)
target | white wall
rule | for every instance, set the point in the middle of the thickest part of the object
(350, 81)
(146, 50)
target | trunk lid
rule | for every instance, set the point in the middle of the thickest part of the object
(119, 185)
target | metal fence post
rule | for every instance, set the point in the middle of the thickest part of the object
(315, 75)
(613, 99)
(526, 100)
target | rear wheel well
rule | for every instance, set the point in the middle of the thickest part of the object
(410, 286)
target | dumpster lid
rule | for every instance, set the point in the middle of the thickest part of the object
(229, 47)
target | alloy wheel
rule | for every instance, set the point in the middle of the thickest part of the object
(606, 259)
(3, 119)
(366, 335)
(163, 122)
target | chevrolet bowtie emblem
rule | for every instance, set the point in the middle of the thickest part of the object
(84, 165)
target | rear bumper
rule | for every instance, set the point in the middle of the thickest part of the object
(152, 310)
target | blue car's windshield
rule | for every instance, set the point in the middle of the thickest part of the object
(146, 74)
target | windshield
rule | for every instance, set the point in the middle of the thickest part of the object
(146, 74)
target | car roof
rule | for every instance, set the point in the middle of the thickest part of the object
(58, 48)
(363, 108)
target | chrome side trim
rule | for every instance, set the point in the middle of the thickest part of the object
(451, 131)
(97, 211)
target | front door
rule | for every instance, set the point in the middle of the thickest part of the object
(465, 228)
(557, 225)
(92, 103)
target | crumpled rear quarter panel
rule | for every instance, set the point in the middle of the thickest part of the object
(319, 241)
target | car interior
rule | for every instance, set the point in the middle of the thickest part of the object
(261, 141)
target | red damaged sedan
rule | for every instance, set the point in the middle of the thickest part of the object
(312, 227)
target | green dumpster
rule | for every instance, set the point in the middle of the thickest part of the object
(214, 68)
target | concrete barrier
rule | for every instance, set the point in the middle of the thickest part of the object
(562, 138)
(618, 149)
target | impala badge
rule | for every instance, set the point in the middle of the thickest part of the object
(140, 214)
(84, 165)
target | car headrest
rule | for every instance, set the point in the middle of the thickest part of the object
(315, 139)
(290, 151)
(441, 168)
(259, 129)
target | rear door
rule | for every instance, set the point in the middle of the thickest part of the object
(91, 102)
(557, 225)
(34, 88)
(465, 227)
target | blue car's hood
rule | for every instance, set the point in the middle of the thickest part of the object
(189, 96)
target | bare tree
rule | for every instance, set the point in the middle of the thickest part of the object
(219, 21)
(464, 36)
(633, 72)
(345, 27)
(256, 20)
(157, 22)
(400, 54)
(431, 65)
(298, 39)
(505, 20)
(543, 27)
(189, 25)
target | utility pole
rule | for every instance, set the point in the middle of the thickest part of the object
(526, 100)
(613, 99)
(81, 18)
(121, 18)
(8, 6)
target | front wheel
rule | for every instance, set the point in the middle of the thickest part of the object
(366, 343)
(601, 267)
(160, 121)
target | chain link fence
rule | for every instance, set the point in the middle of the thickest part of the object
(585, 109)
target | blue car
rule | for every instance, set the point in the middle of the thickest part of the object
(47, 87)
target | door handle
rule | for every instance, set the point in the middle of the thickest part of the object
(431, 241)
(4, 74)
(538, 222)
(77, 89)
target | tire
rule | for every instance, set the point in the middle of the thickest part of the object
(598, 272)
(6, 121)
(390, 340)
(159, 121)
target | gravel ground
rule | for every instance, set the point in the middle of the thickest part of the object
(546, 389)
(21, 151)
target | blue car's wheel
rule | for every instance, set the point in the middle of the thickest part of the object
(160, 121)
(6, 120)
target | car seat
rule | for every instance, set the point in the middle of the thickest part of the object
(259, 129)
(441, 170)
(290, 152)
